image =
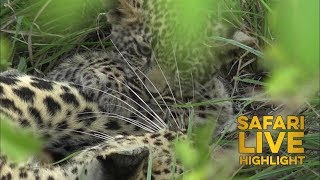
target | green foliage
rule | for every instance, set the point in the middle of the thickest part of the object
(149, 171)
(188, 35)
(42, 31)
(294, 57)
(194, 153)
(59, 16)
(192, 18)
(4, 53)
(17, 143)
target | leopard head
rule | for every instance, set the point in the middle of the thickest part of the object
(153, 33)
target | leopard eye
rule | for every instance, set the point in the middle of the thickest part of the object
(144, 49)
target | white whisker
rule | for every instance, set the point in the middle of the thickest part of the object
(160, 97)
(127, 109)
(121, 101)
(180, 88)
(152, 112)
(193, 89)
(104, 137)
(98, 132)
(158, 118)
(170, 89)
(113, 115)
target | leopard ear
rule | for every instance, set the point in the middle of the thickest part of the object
(124, 163)
(242, 38)
(115, 16)
(125, 12)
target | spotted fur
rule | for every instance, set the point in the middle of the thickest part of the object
(123, 157)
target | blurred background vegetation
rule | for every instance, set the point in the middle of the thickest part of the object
(278, 74)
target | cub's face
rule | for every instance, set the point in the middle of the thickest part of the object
(129, 33)
(151, 33)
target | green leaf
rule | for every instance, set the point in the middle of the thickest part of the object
(4, 53)
(240, 45)
(149, 172)
(294, 56)
(186, 153)
(60, 16)
(18, 144)
(22, 66)
(250, 81)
